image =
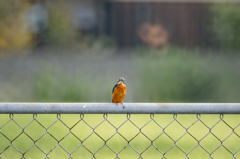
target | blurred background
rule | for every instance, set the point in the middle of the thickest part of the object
(75, 51)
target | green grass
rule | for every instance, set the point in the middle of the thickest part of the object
(92, 143)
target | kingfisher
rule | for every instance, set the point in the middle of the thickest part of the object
(119, 91)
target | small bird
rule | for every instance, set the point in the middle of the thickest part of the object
(119, 91)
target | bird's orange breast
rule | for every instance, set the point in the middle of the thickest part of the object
(119, 93)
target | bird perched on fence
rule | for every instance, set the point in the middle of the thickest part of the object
(119, 91)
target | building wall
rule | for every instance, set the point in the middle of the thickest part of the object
(185, 22)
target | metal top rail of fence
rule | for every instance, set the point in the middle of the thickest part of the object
(111, 108)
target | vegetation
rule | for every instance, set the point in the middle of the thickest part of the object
(225, 21)
(12, 34)
(179, 76)
(18, 30)
(187, 76)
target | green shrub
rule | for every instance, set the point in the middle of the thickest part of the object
(59, 86)
(225, 25)
(60, 31)
(178, 77)
(54, 87)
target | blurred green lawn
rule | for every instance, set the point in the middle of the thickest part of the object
(116, 142)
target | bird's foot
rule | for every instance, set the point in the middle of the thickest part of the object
(123, 105)
(116, 103)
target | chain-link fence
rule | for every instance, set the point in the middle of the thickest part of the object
(108, 134)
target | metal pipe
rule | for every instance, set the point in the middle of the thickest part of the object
(111, 108)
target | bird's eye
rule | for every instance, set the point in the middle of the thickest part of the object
(121, 79)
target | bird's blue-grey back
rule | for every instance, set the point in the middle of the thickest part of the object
(114, 88)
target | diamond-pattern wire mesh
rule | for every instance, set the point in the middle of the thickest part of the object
(164, 144)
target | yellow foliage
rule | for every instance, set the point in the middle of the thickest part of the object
(12, 34)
